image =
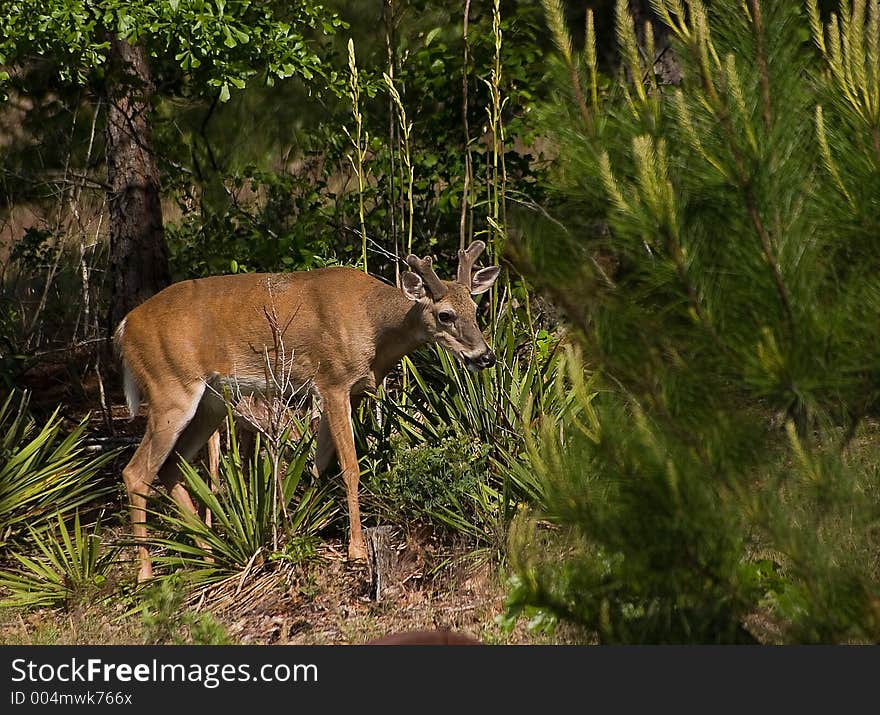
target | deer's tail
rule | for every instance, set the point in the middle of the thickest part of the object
(129, 384)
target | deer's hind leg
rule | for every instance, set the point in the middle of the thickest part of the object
(168, 418)
(205, 421)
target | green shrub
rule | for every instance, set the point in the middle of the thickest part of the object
(72, 566)
(43, 474)
(165, 619)
(433, 481)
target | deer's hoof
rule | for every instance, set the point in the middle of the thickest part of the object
(357, 552)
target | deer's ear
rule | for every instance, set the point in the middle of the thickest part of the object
(412, 286)
(483, 279)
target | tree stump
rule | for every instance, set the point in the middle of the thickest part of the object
(381, 558)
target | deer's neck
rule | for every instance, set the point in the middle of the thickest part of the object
(399, 330)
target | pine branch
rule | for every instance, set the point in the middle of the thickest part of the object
(763, 71)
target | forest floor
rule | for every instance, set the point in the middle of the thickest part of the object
(324, 601)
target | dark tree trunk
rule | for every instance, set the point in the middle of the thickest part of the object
(138, 254)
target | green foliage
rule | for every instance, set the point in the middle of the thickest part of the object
(450, 450)
(263, 216)
(714, 245)
(33, 250)
(258, 516)
(446, 482)
(517, 606)
(488, 405)
(42, 475)
(653, 543)
(220, 44)
(72, 565)
(285, 230)
(166, 619)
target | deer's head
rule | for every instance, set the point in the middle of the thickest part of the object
(449, 313)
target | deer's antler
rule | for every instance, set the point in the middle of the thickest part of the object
(466, 260)
(424, 267)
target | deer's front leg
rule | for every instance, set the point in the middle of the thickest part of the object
(337, 417)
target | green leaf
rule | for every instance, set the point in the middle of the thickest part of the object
(429, 38)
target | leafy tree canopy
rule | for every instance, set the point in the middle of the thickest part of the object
(220, 44)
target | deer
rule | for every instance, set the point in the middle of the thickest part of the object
(341, 332)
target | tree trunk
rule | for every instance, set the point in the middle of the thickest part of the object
(138, 254)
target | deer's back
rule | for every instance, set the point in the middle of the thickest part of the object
(231, 325)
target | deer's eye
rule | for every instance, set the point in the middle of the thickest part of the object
(447, 317)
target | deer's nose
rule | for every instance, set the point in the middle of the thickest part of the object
(487, 359)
